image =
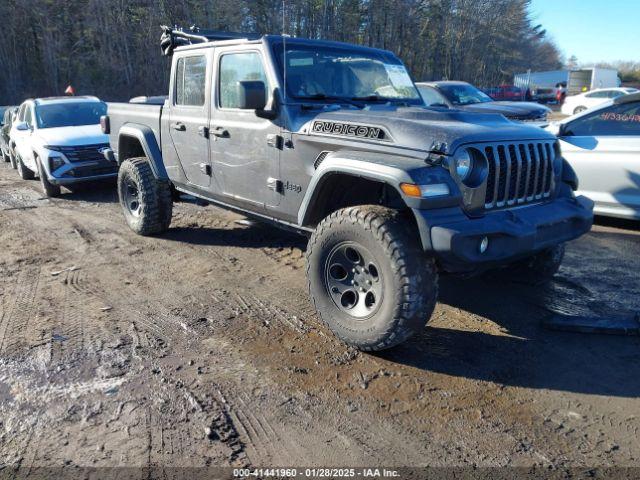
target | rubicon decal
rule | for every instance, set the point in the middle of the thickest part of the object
(348, 130)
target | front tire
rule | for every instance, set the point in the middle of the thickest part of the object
(146, 201)
(578, 110)
(24, 172)
(49, 189)
(369, 280)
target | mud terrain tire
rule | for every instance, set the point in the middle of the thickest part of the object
(49, 189)
(24, 172)
(146, 201)
(389, 293)
(537, 269)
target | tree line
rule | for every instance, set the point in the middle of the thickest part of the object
(110, 48)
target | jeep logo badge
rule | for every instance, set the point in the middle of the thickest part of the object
(348, 130)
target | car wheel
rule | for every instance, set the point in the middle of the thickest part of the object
(368, 277)
(49, 189)
(146, 201)
(24, 172)
(579, 110)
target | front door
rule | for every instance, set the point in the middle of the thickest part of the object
(244, 147)
(189, 118)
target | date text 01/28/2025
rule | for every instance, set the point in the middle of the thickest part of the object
(315, 473)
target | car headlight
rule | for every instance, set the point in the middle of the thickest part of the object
(470, 166)
(463, 163)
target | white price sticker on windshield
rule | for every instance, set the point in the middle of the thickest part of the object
(398, 75)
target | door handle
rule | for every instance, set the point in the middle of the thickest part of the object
(179, 126)
(220, 132)
(203, 131)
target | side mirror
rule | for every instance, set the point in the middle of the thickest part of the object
(252, 95)
(22, 126)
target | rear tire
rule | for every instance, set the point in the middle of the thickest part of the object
(49, 189)
(368, 277)
(578, 110)
(145, 200)
(24, 172)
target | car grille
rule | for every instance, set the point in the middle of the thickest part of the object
(92, 170)
(83, 153)
(519, 173)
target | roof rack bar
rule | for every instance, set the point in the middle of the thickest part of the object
(174, 37)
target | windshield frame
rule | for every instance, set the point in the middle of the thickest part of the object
(66, 104)
(443, 90)
(276, 49)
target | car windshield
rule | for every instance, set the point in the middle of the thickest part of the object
(463, 94)
(340, 74)
(70, 114)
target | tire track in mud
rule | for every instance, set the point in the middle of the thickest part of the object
(247, 304)
(16, 318)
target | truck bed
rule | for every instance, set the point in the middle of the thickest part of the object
(121, 114)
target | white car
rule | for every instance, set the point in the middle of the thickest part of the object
(579, 103)
(60, 140)
(602, 145)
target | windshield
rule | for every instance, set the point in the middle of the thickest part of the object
(464, 94)
(70, 114)
(326, 73)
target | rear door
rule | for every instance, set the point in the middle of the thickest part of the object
(604, 150)
(189, 115)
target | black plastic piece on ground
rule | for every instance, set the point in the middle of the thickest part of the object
(620, 325)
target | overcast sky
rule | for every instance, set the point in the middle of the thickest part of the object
(592, 30)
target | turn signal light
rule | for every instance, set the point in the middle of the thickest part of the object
(411, 190)
(425, 191)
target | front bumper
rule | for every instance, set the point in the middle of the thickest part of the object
(83, 172)
(513, 234)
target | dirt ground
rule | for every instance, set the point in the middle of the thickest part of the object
(200, 348)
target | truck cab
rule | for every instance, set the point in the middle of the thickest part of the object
(334, 141)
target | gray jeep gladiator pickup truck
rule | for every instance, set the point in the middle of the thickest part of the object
(334, 141)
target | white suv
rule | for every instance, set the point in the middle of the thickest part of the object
(60, 141)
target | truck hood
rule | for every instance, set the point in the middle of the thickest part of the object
(73, 136)
(417, 128)
(519, 110)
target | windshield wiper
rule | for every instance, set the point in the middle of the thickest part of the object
(322, 96)
(378, 98)
(371, 98)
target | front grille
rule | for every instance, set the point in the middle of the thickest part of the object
(518, 173)
(83, 153)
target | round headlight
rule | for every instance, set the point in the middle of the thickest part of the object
(463, 163)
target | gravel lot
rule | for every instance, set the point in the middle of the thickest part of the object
(200, 348)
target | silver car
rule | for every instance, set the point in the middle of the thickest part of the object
(602, 145)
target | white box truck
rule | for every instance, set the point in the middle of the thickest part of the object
(542, 84)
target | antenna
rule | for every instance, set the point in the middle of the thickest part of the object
(284, 53)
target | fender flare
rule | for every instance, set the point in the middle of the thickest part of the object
(147, 139)
(355, 165)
